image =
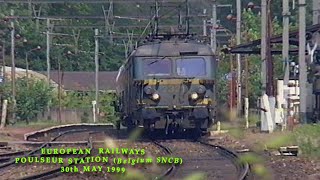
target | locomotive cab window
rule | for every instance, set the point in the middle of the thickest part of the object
(191, 67)
(157, 67)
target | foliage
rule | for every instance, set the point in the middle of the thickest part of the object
(222, 85)
(305, 136)
(111, 56)
(251, 30)
(75, 100)
(82, 60)
(32, 96)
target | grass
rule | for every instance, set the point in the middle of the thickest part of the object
(257, 165)
(4, 137)
(307, 137)
(304, 136)
(196, 176)
(253, 120)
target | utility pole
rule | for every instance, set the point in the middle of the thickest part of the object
(263, 44)
(285, 33)
(204, 23)
(302, 63)
(109, 23)
(270, 86)
(267, 98)
(214, 26)
(187, 18)
(3, 68)
(156, 23)
(285, 53)
(128, 46)
(59, 86)
(76, 37)
(238, 34)
(37, 13)
(13, 66)
(48, 59)
(316, 11)
(96, 59)
(48, 50)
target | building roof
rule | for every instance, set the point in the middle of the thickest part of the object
(252, 46)
(85, 81)
(20, 72)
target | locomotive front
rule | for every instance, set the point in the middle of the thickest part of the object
(174, 86)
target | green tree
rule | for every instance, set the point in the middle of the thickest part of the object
(83, 101)
(32, 96)
(251, 30)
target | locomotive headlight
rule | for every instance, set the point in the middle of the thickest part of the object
(201, 89)
(148, 90)
(155, 96)
(194, 96)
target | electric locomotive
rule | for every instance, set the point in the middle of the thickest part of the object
(168, 84)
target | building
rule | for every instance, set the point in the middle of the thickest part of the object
(82, 81)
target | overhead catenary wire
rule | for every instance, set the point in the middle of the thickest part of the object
(166, 14)
(91, 1)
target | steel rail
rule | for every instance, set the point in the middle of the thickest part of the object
(168, 151)
(18, 153)
(55, 172)
(64, 128)
(242, 167)
(42, 146)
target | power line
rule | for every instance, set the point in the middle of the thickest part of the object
(59, 17)
(126, 26)
(90, 1)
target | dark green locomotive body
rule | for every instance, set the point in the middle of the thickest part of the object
(168, 85)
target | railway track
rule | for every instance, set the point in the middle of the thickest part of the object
(30, 153)
(242, 168)
(66, 138)
(168, 151)
(215, 162)
(199, 156)
(6, 157)
(54, 172)
(10, 170)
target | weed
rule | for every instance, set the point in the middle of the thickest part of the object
(196, 176)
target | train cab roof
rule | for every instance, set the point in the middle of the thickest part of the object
(172, 49)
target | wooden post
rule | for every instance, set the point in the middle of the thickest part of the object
(290, 113)
(94, 103)
(246, 99)
(218, 126)
(246, 108)
(4, 113)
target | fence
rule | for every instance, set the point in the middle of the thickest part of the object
(68, 115)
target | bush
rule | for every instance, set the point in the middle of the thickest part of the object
(307, 137)
(32, 97)
(85, 117)
(76, 100)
